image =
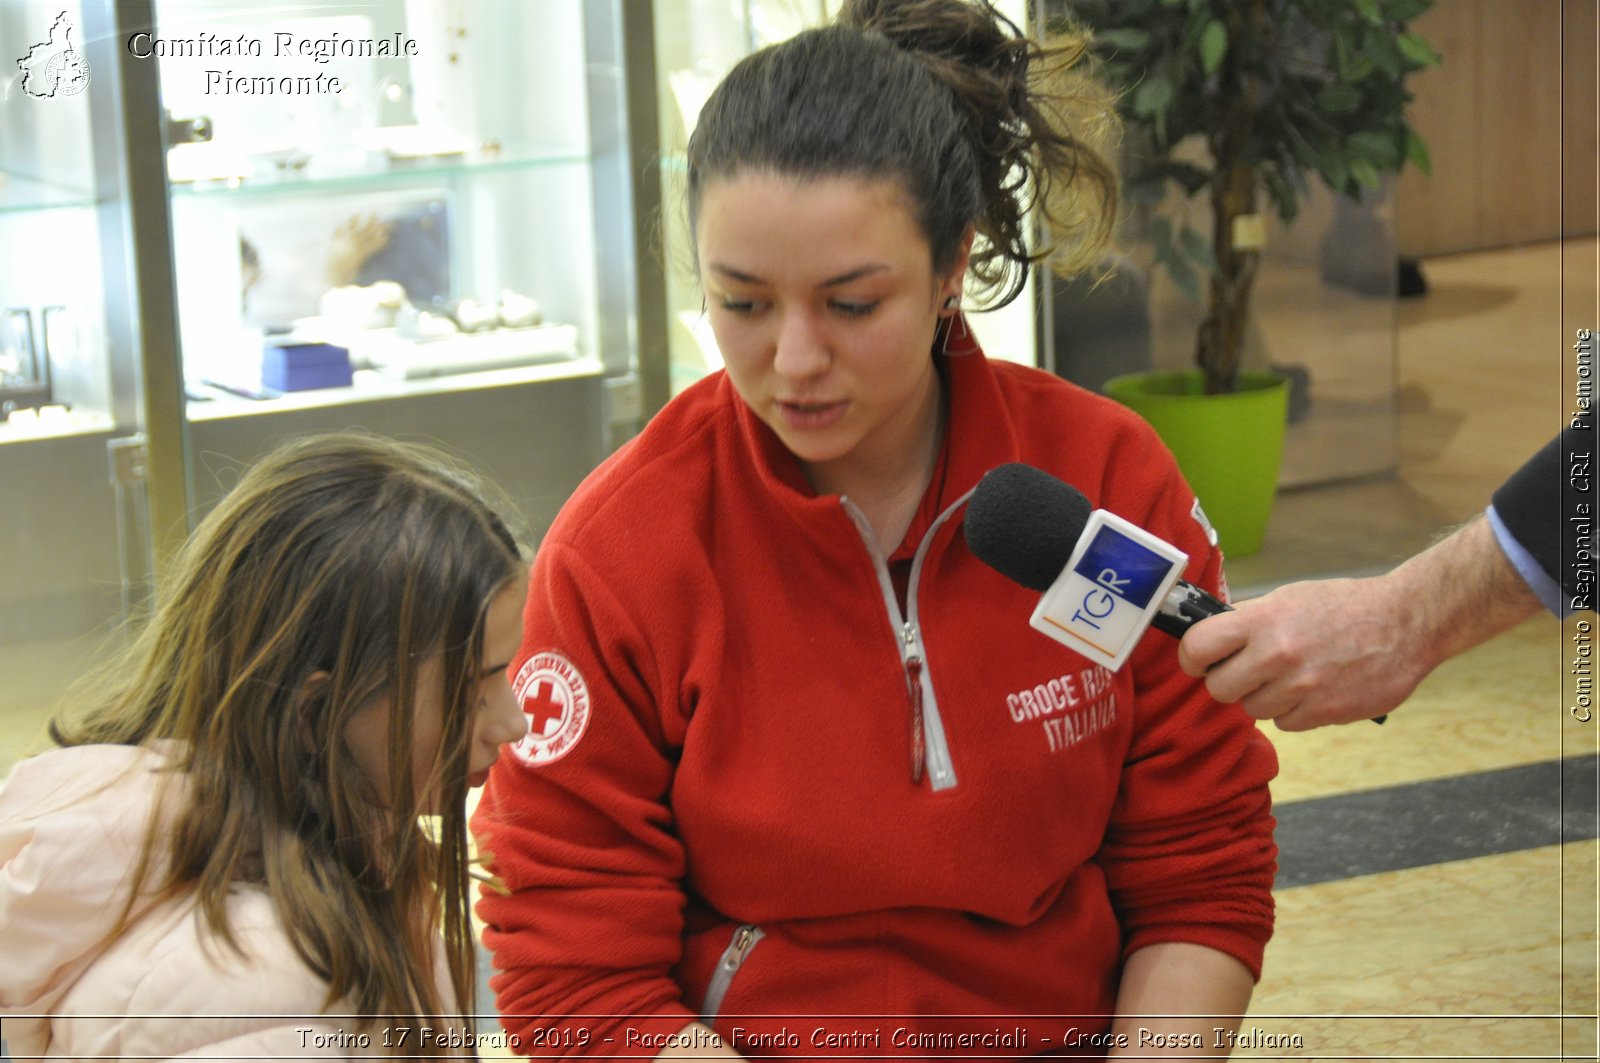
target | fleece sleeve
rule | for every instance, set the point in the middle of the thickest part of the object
(589, 924)
(1189, 854)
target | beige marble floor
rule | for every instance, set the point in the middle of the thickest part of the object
(1478, 959)
(1493, 958)
(1496, 706)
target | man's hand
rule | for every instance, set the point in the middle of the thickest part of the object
(1336, 651)
(1309, 654)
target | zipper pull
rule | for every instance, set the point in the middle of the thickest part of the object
(742, 940)
(913, 663)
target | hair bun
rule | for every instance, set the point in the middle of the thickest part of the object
(1028, 112)
(969, 33)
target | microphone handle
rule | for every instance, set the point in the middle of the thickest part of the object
(1185, 606)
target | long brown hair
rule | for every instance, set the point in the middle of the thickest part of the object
(978, 122)
(326, 578)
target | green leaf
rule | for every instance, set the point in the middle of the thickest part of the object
(1339, 99)
(1213, 46)
(1145, 193)
(1284, 194)
(1183, 274)
(1334, 170)
(1355, 67)
(1369, 11)
(1123, 40)
(1300, 148)
(1404, 10)
(1152, 96)
(1376, 148)
(1161, 235)
(1171, 259)
(1416, 50)
(1384, 51)
(1417, 152)
(1198, 248)
(1191, 177)
(1366, 175)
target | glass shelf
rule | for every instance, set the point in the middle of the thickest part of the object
(288, 178)
(21, 195)
(371, 386)
(53, 422)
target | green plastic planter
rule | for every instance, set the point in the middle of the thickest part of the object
(1229, 447)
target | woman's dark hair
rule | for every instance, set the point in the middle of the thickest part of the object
(977, 122)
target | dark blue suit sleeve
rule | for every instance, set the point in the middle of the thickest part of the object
(1548, 506)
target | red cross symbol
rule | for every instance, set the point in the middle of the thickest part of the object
(544, 706)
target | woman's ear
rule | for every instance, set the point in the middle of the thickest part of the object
(950, 283)
(310, 704)
(313, 688)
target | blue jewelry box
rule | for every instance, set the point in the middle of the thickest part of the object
(300, 365)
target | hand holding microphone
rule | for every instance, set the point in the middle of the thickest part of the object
(1310, 654)
(1104, 579)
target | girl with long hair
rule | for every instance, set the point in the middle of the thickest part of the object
(251, 838)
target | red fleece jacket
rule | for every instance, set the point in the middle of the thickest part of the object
(722, 725)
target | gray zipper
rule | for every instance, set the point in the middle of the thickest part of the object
(739, 947)
(913, 657)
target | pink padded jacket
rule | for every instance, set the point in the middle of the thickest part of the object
(71, 825)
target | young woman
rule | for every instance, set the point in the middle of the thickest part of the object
(224, 857)
(799, 770)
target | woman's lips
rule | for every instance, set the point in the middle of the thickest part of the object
(477, 779)
(810, 416)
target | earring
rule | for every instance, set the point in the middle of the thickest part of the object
(952, 302)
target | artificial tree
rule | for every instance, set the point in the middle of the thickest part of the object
(1276, 91)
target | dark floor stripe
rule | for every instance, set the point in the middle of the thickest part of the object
(1432, 822)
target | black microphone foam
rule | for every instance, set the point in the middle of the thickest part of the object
(1024, 523)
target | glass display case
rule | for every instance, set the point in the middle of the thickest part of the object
(51, 298)
(697, 42)
(407, 181)
(230, 225)
(71, 528)
(384, 215)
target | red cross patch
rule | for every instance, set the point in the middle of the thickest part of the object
(555, 699)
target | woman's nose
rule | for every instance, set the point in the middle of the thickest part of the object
(503, 720)
(802, 349)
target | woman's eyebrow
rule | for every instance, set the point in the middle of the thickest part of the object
(832, 282)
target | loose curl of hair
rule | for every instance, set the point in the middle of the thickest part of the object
(329, 576)
(979, 123)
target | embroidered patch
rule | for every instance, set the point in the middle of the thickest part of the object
(555, 699)
(1200, 518)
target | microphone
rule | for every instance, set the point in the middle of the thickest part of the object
(1105, 580)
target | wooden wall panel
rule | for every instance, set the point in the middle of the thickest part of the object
(1519, 121)
(1431, 213)
(1580, 82)
(1494, 115)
